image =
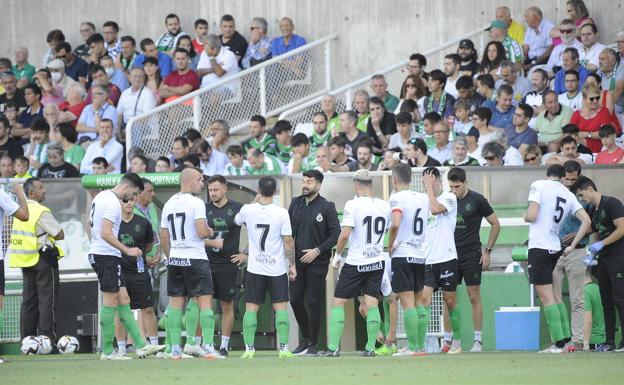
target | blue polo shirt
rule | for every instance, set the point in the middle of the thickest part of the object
(499, 119)
(279, 48)
(79, 68)
(515, 139)
(164, 63)
(560, 80)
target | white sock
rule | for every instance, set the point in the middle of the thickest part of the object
(250, 348)
(121, 347)
(448, 336)
(283, 347)
(477, 335)
(208, 348)
(153, 340)
(198, 340)
(225, 341)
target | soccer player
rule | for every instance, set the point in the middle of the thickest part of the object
(270, 243)
(549, 203)
(364, 222)
(20, 211)
(105, 258)
(183, 229)
(472, 207)
(408, 231)
(608, 233)
(441, 264)
(594, 336)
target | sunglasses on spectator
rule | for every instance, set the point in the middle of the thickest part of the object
(530, 159)
(491, 157)
(593, 98)
(566, 30)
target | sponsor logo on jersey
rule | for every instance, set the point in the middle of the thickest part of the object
(126, 239)
(219, 223)
(178, 261)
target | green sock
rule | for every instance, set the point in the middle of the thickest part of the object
(565, 320)
(128, 321)
(107, 323)
(424, 317)
(192, 319)
(174, 325)
(455, 316)
(385, 326)
(206, 317)
(167, 333)
(410, 319)
(553, 319)
(336, 326)
(250, 322)
(1, 319)
(373, 321)
(282, 324)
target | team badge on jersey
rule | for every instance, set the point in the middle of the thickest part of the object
(230, 212)
(137, 228)
(319, 217)
(468, 207)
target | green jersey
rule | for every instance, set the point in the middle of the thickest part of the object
(333, 124)
(362, 122)
(267, 144)
(283, 153)
(74, 155)
(318, 140)
(513, 51)
(230, 169)
(305, 165)
(593, 304)
(271, 166)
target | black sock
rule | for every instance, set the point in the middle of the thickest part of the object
(560, 344)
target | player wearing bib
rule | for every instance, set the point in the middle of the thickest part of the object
(183, 229)
(408, 231)
(19, 210)
(441, 265)
(549, 203)
(270, 243)
(364, 222)
(472, 207)
(105, 258)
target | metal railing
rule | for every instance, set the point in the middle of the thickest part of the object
(268, 88)
(394, 74)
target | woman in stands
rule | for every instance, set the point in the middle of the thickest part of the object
(412, 88)
(493, 55)
(577, 11)
(533, 156)
(591, 117)
(153, 77)
(481, 121)
(606, 100)
(186, 42)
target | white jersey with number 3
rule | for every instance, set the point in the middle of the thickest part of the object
(178, 216)
(266, 225)
(440, 243)
(105, 206)
(411, 236)
(369, 219)
(555, 203)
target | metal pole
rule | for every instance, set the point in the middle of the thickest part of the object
(348, 99)
(328, 85)
(263, 96)
(197, 113)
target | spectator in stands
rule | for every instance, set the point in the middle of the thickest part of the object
(216, 63)
(163, 164)
(350, 131)
(328, 107)
(22, 169)
(128, 54)
(413, 88)
(589, 55)
(360, 102)
(578, 14)
(211, 162)
(573, 131)
(364, 152)
(135, 100)
(468, 54)
(36, 148)
(288, 41)
(320, 134)
(54, 38)
(533, 156)
(323, 160)
(380, 89)
(570, 62)
(481, 119)
(138, 164)
(381, 124)
(452, 63)
(521, 86)
(167, 41)
(96, 50)
(411, 107)
(74, 103)
(56, 167)
(337, 151)
(568, 152)
(87, 29)
(100, 77)
(404, 131)
(567, 30)
(606, 99)
(514, 29)
(282, 131)
(50, 93)
(300, 161)
(6, 167)
(10, 113)
(180, 149)
(428, 122)
(34, 110)
(94, 113)
(232, 39)
(612, 73)
(612, 153)
(107, 147)
(201, 31)
(72, 152)
(75, 67)
(591, 117)
(11, 94)
(51, 114)
(163, 61)
(513, 51)
(238, 164)
(186, 43)
(263, 164)
(486, 87)
(58, 76)
(415, 153)
(494, 154)
(23, 70)
(180, 82)
(438, 101)
(416, 66)
(502, 111)
(620, 44)
(537, 44)
(460, 154)
(462, 123)
(154, 80)
(573, 97)
(466, 92)
(8, 145)
(99, 166)
(219, 135)
(443, 149)
(535, 98)
(110, 31)
(259, 48)
(512, 157)
(260, 139)
(520, 135)
(115, 76)
(549, 122)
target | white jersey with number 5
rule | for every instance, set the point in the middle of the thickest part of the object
(440, 242)
(369, 219)
(105, 206)
(410, 239)
(555, 203)
(178, 216)
(266, 225)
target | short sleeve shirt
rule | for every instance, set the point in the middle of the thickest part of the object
(609, 209)
(7, 207)
(178, 217)
(440, 245)
(414, 208)
(369, 218)
(105, 206)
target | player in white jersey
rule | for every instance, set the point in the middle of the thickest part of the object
(183, 228)
(105, 259)
(271, 263)
(364, 223)
(19, 210)
(408, 232)
(441, 266)
(550, 202)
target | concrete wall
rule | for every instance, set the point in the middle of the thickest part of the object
(373, 33)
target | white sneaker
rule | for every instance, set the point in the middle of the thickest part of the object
(114, 357)
(194, 350)
(403, 353)
(476, 347)
(210, 353)
(149, 350)
(455, 348)
(552, 349)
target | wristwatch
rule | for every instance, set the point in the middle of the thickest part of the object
(489, 250)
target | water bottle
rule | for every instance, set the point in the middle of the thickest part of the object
(140, 265)
(219, 236)
(590, 258)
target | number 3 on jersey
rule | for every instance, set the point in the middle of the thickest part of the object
(378, 226)
(172, 225)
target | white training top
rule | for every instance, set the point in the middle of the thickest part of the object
(178, 216)
(440, 241)
(105, 206)
(7, 207)
(410, 239)
(555, 203)
(266, 225)
(369, 219)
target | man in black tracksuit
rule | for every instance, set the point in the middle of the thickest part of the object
(315, 228)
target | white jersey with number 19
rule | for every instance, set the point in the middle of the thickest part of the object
(411, 236)
(369, 219)
(555, 202)
(178, 216)
(105, 206)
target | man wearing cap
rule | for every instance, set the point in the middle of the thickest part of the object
(59, 79)
(513, 51)
(469, 64)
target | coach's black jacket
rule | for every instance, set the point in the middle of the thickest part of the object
(314, 224)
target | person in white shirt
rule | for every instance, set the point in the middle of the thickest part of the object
(589, 56)
(107, 147)
(443, 149)
(270, 265)
(364, 223)
(567, 29)
(452, 63)
(569, 151)
(105, 259)
(408, 232)
(211, 161)
(573, 97)
(183, 228)
(215, 63)
(550, 202)
(135, 100)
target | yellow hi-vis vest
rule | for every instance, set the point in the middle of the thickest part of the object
(23, 251)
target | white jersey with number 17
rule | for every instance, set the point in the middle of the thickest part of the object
(369, 219)
(178, 216)
(412, 233)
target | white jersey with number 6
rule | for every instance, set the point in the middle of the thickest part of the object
(105, 206)
(178, 216)
(266, 224)
(411, 236)
(555, 203)
(440, 242)
(369, 219)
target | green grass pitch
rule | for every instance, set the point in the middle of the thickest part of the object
(266, 368)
